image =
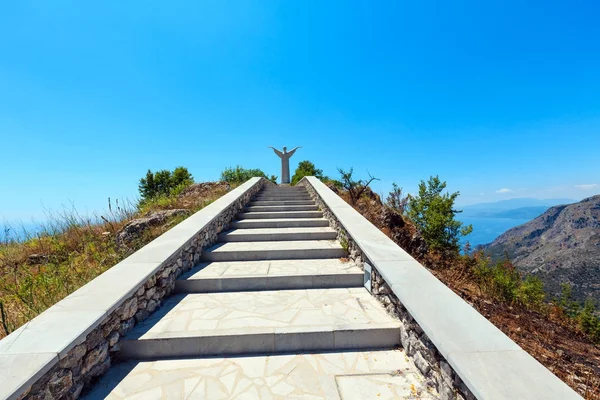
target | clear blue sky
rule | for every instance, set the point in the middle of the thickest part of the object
(494, 96)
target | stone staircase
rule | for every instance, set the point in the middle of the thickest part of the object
(276, 290)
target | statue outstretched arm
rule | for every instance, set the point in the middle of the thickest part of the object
(291, 153)
(280, 154)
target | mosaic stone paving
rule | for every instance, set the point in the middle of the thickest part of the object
(274, 268)
(208, 313)
(341, 375)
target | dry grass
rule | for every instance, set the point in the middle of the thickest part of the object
(72, 250)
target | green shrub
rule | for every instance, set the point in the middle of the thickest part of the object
(588, 321)
(164, 182)
(531, 292)
(239, 175)
(434, 214)
(306, 168)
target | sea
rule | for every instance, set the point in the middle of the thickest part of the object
(485, 230)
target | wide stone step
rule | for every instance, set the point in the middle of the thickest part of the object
(299, 249)
(280, 214)
(278, 234)
(312, 207)
(295, 189)
(279, 223)
(263, 322)
(282, 203)
(270, 275)
(375, 374)
(281, 198)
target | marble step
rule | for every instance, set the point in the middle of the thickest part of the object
(282, 203)
(311, 207)
(281, 198)
(231, 276)
(263, 322)
(374, 374)
(279, 223)
(273, 250)
(278, 234)
(295, 189)
(280, 214)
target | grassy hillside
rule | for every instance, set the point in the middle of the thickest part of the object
(71, 250)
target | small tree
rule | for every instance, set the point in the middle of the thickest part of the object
(355, 188)
(396, 200)
(164, 182)
(434, 214)
(306, 168)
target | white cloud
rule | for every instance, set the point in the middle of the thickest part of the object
(588, 186)
(504, 190)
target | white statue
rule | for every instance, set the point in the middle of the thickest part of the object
(285, 163)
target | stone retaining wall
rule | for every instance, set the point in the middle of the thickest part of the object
(437, 372)
(87, 361)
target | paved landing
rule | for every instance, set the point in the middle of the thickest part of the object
(273, 268)
(382, 375)
(211, 313)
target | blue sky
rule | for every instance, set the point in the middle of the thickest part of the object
(500, 98)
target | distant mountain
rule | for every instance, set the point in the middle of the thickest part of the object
(517, 213)
(561, 245)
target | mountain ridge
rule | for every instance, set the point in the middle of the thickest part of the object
(560, 246)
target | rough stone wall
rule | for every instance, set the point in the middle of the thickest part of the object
(437, 372)
(87, 361)
(354, 252)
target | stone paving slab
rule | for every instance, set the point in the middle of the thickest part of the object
(280, 214)
(283, 208)
(279, 223)
(319, 266)
(338, 376)
(207, 313)
(281, 203)
(270, 275)
(279, 234)
(274, 250)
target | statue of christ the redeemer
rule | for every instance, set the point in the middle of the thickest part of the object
(285, 163)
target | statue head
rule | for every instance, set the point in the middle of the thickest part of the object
(285, 149)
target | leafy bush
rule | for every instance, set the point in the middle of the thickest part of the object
(585, 317)
(239, 175)
(306, 168)
(531, 292)
(502, 281)
(433, 212)
(164, 183)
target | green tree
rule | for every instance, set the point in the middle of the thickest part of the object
(164, 182)
(147, 187)
(239, 175)
(433, 212)
(306, 168)
(180, 176)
